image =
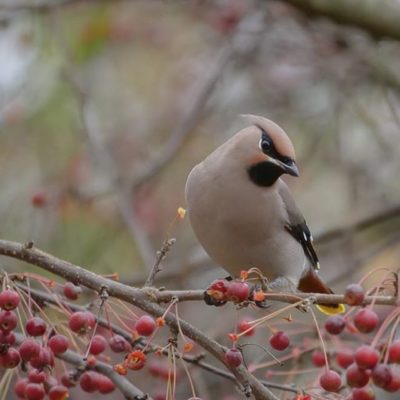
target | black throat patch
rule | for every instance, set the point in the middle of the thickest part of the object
(265, 173)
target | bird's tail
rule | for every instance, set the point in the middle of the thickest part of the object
(310, 282)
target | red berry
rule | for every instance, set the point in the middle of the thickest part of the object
(58, 344)
(394, 384)
(8, 320)
(238, 291)
(330, 381)
(10, 359)
(145, 325)
(381, 376)
(39, 199)
(356, 377)
(354, 294)
(244, 325)
(318, 358)
(58, 392)
(89, 381)
(97, 345)
(44, 359)
(233, 357)
(279, 341)
(366, 320)
(19, 387)
(9, 299)
(35, 326)
(217, 290)
(72, 291)
(36, 376)
(394, 352)
(29, 348)
(105, 384)
(81, 322)
(344, 357)
(34, 391)
(68, 379)
(7, 338)
(119, 344)
(365, 393)
(366, 357)
(335, 324)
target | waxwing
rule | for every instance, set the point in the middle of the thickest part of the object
(244, 215)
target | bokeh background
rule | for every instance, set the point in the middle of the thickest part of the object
(106, 106)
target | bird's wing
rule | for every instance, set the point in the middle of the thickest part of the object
(297, 226)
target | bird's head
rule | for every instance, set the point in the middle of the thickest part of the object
(269, 151)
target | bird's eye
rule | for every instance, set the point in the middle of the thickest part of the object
(265, 145)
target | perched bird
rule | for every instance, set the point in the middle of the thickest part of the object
(244, 215)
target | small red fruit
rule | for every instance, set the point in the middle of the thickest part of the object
(330, 381)
(344, 358)
(97, 345)
(19, 387)
(72, 291)
(244, 326)
(381, 376)
(89, 381)
(8, 320)
(394, 384)
(145, 325)
(81, 322)
(36, 376)
(279, 341)
(356, 377)
(34, 391)
(58, 344)
(119, 344)
(366, 357)
(394, 352)
(29, 349)
(318, 358)
(9, 299)
(217, 290)
(35, 326)
(335, 324)
(10, 359)
(68, 379)
(58, 392)
(354, 294)
(39, 199)
(238, 291)
(366, 320)
(233, 357)
(7, 338)
(105, 384)
(365, 393)
(44, 359)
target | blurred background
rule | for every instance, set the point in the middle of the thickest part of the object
(106, 106)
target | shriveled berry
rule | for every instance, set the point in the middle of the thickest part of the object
(10, 359)
(34, 391)
(238, 291)
(344, 358)
(36, 376)
(9, 299)
(19, 387)
(394, 352)
(381, 376)
(244, 326)
(119, 344)
(71, 291)
(105, 384)
(35, 326)
(89, 381)
(366, 357)
(97, 345)
(318, 358)
(233, 357)
(356, 377)
(217, 290)
(58, 344)
(366, 320)
(8, 320)
(335, 324)
(58, 392)
(365, 393)
(279, 341)
(7, 338)
(81, 322)
(29, 349)
(354, 294)
(330, 381)
(145, 325)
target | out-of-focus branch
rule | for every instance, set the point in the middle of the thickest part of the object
(128, 390)
(377, 17)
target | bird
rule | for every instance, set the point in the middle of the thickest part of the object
(244, 215)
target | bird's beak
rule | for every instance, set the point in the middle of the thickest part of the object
(290, 167)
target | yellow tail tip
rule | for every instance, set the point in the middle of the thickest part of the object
(331, 310)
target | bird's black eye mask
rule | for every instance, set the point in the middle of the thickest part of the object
(267, 147)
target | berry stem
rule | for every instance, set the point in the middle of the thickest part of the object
(320, 338)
